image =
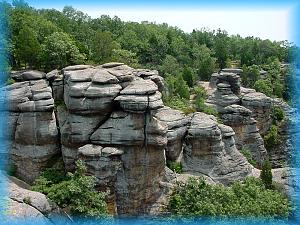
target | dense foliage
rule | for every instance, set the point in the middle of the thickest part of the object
(150, 44)
(272, 138)
(73, 191)
(248, 198)
(266, 174)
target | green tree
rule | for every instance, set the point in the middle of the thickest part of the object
(250, 75)
(221, 48)
(60, 50)
(181, 88)
(170, 66)
(27, 48)
(203, 61)
(74, 190)
(188, 76)
(266, 174)
(125, 56)
(103, 46)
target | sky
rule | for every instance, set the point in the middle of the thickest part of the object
(265, 19)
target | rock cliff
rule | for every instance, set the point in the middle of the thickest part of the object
(112, 117)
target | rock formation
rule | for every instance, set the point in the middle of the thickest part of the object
(248, 112)
(112, 117)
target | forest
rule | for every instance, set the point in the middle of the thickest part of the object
(46, 39)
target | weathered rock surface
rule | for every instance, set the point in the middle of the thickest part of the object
(177, 128)
(246, 132)
(211, 151)
(112, 117)
(32, 126)
(260, 105)
(248, 112)
(23, 203)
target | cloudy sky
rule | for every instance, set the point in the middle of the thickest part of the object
(271, 20)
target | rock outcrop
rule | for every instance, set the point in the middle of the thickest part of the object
(248, 112)
(112, 118)
(211, 151)
(32, 127)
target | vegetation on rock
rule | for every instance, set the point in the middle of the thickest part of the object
(72, 190)
(248, 198)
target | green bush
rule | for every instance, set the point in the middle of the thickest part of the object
(277, 114)
(248, 198)
(246, 152)
(266, 174)
(174, 166)
(178, 103)
(264, 86)
(75, 191)
(272, 138)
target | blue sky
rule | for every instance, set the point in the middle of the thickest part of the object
(265, 19)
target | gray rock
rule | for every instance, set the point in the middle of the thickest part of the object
(32, 75)
(177, 127)
(140, 87)
(140, 130)
(211, 151)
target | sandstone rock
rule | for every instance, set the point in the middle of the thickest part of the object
(52, 74)
(140, 87)
(232, 70)
(260, 105)
(247, 135)
(211, 151)
(131, 129)
(231, 78)
(77, 67)
(28, 75)
(177, 127)
(112, 64)
(26, 204)
(33, 131)
(140, 102)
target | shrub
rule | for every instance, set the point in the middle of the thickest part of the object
(264, 86)
(277, 114)
(271, 139)
(178, 103)
(248, 198)
(266, 174)
(246, 152)
(175, 166)
(75, 191)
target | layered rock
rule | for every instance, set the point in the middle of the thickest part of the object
(260, 105)
(112, 117)
(142, 138)
(211, 151)
(247, 134)
(177, 128)
(32, 126)
(248, 112)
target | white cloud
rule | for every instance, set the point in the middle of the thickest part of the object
(270, 24)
